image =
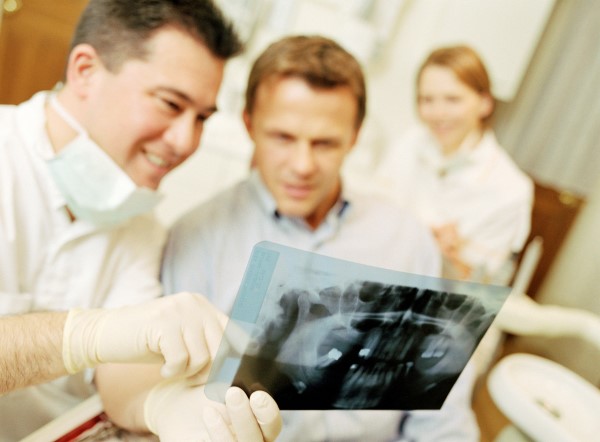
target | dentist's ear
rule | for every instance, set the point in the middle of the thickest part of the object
(82, 64)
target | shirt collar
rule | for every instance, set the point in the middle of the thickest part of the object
(269, 205)
(265, 199)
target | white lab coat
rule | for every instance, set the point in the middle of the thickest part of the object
(481, 190)
(50, 263)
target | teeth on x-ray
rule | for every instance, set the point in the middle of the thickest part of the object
(367, 345)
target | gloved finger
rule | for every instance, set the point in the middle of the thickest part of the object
(199, 378)
(202, 335)
(242, 418)
(174, 349)
(199, 343)
(267, 414)
(216, 426)
(186, 351)
(203, 341)
(214, 328)
(237, 338)
(222, 318)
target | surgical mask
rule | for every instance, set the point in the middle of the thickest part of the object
(95, 188)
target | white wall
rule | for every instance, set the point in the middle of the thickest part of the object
(504, 32)
(422, 24)
(391, 65)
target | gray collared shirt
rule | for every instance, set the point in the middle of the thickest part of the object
(209, 248)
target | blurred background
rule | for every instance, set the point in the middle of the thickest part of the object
(544, 62)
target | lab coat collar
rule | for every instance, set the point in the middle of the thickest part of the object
(469, 153)
(31, 123)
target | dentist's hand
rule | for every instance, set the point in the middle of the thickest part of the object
(183, 330)
(451, 245)
(177, 411)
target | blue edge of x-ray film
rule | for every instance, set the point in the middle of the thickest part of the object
(246, 309)
(274, 269)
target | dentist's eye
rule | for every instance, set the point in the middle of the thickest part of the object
(172, 105)
(168, 104)
(202, 118)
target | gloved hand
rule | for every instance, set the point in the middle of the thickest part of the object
(177, 411)
(183, 330)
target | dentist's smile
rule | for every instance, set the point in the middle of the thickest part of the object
(157, 160)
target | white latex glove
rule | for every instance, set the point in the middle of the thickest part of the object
(183, 330)
(177, 411)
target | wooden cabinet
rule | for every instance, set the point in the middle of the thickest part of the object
(554, 212)
(34, 43)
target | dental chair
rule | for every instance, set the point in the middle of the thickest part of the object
(545, 401)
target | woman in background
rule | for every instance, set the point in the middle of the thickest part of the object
(453, 173)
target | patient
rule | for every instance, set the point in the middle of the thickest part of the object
(305, 104)
(452, 172)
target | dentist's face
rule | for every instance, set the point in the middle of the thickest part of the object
(450, 109)
(301, 137)
(149, 114)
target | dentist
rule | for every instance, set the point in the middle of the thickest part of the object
(79, 173)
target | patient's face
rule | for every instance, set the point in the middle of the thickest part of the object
(301, 136)
(370, 337)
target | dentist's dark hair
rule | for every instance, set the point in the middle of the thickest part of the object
(119, 29)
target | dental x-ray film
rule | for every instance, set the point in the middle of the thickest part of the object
(322, 333)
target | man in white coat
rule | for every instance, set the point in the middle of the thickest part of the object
(79, 172)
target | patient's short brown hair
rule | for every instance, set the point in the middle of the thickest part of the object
(319, 61)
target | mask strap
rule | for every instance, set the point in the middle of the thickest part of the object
(66, 116)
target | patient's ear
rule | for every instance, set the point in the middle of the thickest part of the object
(247, 121)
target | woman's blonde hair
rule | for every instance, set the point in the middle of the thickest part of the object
(468, 68)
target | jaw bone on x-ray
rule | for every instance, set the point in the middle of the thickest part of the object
(322, 333)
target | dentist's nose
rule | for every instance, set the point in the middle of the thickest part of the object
(183, 136)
